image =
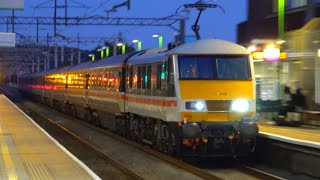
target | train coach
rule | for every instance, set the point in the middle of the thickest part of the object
(196, 99)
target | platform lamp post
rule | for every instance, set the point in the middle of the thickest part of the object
(123, 47)
(139, 44)
(160, 39)
(281, 9)
(101, 52)
(107, 48)
(92, 56)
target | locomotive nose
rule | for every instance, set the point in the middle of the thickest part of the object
(191, 130)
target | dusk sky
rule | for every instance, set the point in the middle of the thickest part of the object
(213, 23)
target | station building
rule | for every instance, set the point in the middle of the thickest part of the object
(298, 62)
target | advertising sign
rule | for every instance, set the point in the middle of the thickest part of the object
(7, 39)
(11, 4)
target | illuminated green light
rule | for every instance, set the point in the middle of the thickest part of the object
(160, 41)
(107, 52)
(139, 46)
(146, 79)
(162, 75)
(92, 58)
(281, 9)
(123, 49)
(101, 54)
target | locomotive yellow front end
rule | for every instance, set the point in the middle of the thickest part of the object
(217, 103)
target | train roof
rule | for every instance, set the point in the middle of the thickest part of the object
(200, 47)
(209, 46)
(110, 61)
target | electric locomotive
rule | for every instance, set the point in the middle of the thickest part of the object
(196, 99)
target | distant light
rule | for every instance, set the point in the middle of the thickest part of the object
(91, 55)
(251, 48)
(120, 44)
(155, 35)
(271, 53)
(257, 56)
(105, 47)
(280, 42)
(99, 49)
(135, 41)
(318, 53)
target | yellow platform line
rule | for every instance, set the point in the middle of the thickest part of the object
(11, 173)
(286, 130)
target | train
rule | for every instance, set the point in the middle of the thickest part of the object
(196, 99)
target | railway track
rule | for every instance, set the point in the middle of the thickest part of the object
(201, 173)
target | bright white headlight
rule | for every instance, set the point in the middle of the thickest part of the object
(199, 105)
(195, 105)
(240, 105)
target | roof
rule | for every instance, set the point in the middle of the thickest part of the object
(200, 47)
(210, 46)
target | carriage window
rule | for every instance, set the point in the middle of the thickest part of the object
(131, 77)
(214, 67)
(144, 76)
(139, 78)
(159, 67)
(148, 77)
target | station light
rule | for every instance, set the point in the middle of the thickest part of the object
(101, 52)
(139, 44)
(107, 48)
(271, 53)
(251, 49)
(160, 39)
(280, 42)
(123, 47)
(92, 57)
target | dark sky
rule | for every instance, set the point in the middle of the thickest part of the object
(213, 23)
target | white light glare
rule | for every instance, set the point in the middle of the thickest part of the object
(120, 44)
(240, 105)
(251, 48)
(135, 41)
(199, 105)
(155, 35)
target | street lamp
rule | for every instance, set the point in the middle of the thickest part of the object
(138, 43)
(101, 53)
(160, 38)
(92, 56)
(123, 47)
(107, 48)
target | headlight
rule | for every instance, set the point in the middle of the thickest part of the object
(196, 105)
(240, 105)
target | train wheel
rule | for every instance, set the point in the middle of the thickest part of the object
(170, 142)
(87, 115)
(95, 119)
(118, 125)
(73, 110)
(155, 136)
(134, 127)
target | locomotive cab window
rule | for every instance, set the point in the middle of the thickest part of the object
(214, 67)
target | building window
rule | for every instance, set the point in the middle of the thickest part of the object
(290, 4)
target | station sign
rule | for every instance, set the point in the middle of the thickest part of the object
(11, 4)
(7, 39)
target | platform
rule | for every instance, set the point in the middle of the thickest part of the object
(305, 135)
(28, 152)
